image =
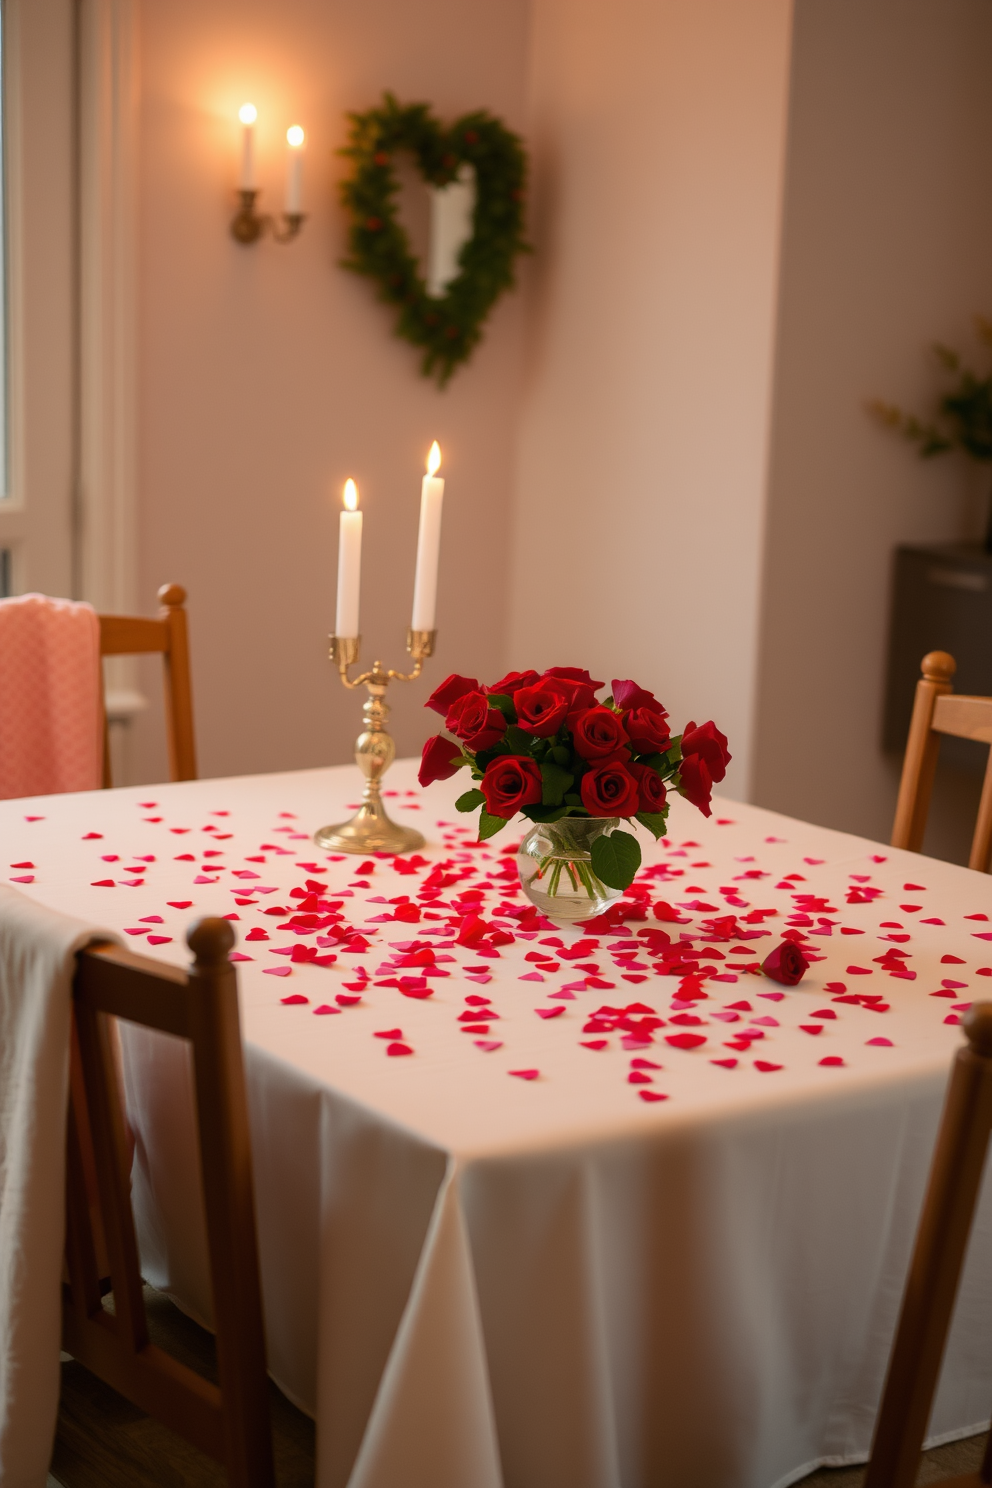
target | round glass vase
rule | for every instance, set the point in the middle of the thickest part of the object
(555, 866)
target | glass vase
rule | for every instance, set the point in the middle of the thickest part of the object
(555, 866)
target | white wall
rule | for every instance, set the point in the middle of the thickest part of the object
(887, 247)
(659, 139)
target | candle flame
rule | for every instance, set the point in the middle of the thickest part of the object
(295, 136)
(247, 113)
(350, 495)
(434, 459)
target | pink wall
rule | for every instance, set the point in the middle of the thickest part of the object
(269, 374)
(659, 137)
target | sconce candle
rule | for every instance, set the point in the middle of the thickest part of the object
(294, 170)
(247, 113)
(428, 545)
(349, 564)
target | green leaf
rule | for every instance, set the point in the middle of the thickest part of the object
(572, 798)
(561, 755)
(470, 800)
(518, 741)
(616, 859)
(504, 703)
(547, 813)
(490, 825)
(655, 821)
(556, 782)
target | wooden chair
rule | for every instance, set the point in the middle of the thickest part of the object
(133, 635)
(230, 1423)
(938, 710)
(935, 1270)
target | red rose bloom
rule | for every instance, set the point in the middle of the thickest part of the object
(709, 744)
(451, 688)
(785, 964)
(647, 729)
(651, 791)
(475, 722)
(511, 684)
(597, 733)
(695, 783)
(609, 789)
(541, 709)
(511, 781)
(629, 695)
(574, 674)
(436, 763)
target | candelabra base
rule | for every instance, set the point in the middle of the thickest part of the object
(369, 831)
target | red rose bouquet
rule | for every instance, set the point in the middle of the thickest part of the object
(544, 745)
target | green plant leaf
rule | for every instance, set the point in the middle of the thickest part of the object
(556, 782)
(616, 859)
(561, 755)
(547, 813)
(470, 800)
(572, 798)
(655, 821)
(504, 703)
(490, 825)
(518, 741)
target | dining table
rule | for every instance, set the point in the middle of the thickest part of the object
(546, 1206)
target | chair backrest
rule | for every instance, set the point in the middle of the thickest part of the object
(133, 635)
(939, 710)
(231, 1422)
(935, 1270)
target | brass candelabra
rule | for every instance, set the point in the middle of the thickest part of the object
(370, 829)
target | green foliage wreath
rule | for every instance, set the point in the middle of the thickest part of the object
(447, 327)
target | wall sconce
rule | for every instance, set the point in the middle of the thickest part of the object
(247, 225)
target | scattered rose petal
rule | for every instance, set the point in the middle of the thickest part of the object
(524, 1074)
(652, 1095)
(297, 997)
(765, 1066)
(397, 1049)
(832, 1059)
(277, 970)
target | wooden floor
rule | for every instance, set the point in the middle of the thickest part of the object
(943, 1462)
(105, 1442)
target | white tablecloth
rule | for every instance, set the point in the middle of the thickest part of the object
(473, 1278)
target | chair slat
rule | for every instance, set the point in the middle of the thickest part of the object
(964, 717)
(132, 635)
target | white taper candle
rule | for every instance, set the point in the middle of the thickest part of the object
(294, 170)
(247, 113)
(349, 564)
(428, 545)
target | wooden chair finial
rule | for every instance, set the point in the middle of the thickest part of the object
(174, 595)
(977, 1024)
(938, 666)
(210, 939)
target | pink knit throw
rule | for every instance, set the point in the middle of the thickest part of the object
(51, 711)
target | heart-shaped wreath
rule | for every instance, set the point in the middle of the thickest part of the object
(446, 326)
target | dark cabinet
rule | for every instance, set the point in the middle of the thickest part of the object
(941, 601)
